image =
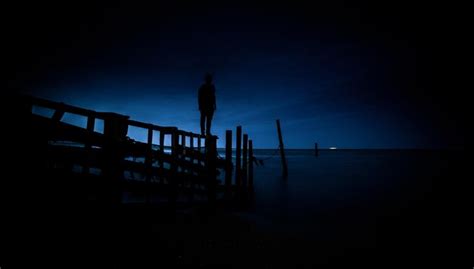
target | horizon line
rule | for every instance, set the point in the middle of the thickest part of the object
(335, 149)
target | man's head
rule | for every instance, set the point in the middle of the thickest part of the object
(208, 78)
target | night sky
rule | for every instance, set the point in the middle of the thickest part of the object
(343, 74)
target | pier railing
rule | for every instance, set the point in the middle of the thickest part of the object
(189, 161)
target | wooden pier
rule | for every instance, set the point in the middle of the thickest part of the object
(110, 162)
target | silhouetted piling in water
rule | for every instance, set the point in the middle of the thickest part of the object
(244, 160)
(228, 160)
(238, 147)
(316, 150)
(250, 171)
(282, 151)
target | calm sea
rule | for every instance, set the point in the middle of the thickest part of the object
(358, 195)
(357, 188)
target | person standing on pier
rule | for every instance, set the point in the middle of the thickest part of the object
(207, 104)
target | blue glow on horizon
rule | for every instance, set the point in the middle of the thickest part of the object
(303, 120)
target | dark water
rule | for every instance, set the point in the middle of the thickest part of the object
(342, 178)
(337, 179)
(397, 202)
(377, 209)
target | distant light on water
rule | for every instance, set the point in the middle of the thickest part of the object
(332, 148)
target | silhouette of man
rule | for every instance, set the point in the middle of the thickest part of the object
(207, 104)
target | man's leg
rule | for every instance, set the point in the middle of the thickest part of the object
(203, 118)
(208, 123)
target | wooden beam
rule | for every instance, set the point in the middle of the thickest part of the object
(149, 155)
(228, 158)
(61, 106)
(161, 151)
(244, 160)
(144, 125)
(183, 142)
(90, 123)
(58, 115)
(191, 146)
(172, 180)
(88, 146)
(183, 147)
(238, 147)
(211, 146)
(282, 151)
(199, 144)
(250, 171)
(115, 132)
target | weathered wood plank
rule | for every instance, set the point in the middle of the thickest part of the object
(228, 157)
(244, 160)
(251, 158)
(238, 147)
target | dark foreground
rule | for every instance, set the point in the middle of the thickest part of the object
(428, 228)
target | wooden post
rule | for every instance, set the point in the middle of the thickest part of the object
(250, 172)
(199, 144)
(115, 126)
(191, 145)
(316, 150)
(191, 155)
(162, 142)
(172, 179)
(282, 151)
(115, 132)
(228, 159)
(148, 163)
(90, 129)
(149, 155)
(174, 149)
(90, 123)
(238, 146)
(183, 149)
(162, 151)
(58, 115)
(211, 164)
(244, 161)
(183, 144)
